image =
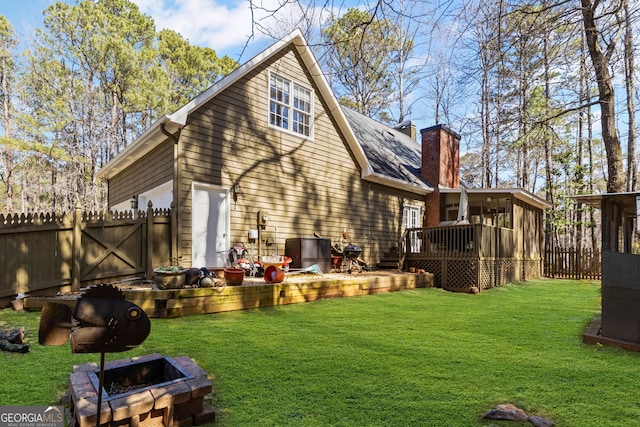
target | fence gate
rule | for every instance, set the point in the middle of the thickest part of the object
(112, 248)
(48, 252)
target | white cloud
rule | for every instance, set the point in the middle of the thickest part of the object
(219, 25)
(227, 25)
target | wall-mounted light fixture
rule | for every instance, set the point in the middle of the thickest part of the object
(235, 191)
(134, 202)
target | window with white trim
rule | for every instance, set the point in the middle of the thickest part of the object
(290, 105)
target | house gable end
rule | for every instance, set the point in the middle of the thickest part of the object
(322, 89)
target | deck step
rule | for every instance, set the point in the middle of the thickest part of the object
(387, 264)
(389, 260)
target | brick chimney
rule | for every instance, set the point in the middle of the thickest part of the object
(440, 167)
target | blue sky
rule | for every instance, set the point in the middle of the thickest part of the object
(223, 25)
(23, 14)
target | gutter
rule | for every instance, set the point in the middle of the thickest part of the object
(518, 193)
(170, 135)
(142, 145)
(396, 183)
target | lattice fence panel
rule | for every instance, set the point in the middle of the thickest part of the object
(486, 275)
(432, 266)
(532, 269)
(507, 269)
(461, 275)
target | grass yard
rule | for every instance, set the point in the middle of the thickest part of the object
(424, 357)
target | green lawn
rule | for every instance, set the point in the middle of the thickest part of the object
(423, 357)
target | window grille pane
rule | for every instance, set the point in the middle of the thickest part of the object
(301, 123)
(279, 105)
(279, 89)
(301, 99)
(302, 108)
(279, 115)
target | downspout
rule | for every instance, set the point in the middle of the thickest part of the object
(176, 176)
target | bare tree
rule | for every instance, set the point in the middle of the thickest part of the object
(7, 163)
(632, 165)
(602, 31)
(408, 59)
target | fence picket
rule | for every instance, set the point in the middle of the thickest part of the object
(48, 251)
(572, 263)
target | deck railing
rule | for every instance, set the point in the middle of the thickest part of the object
(458, 241)
(465, 256)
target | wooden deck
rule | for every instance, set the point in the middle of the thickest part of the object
(256, 293)
(471, 255)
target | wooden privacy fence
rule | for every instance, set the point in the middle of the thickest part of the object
(47, 252)
(572, 263)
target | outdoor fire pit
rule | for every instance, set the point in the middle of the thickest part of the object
(150, 390)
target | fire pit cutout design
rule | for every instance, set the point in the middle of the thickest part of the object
(151, 390)
(138, 376)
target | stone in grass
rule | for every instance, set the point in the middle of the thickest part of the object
(507, 411)
(540, 422)
(12, 340)
(15, 348)
(14, 336)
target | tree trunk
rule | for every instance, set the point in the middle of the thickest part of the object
(629, 74)
(8, 151)
(600, 61)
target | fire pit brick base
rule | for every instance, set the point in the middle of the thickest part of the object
(179, 403)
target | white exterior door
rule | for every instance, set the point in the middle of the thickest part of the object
(411, 219)
(210, 226)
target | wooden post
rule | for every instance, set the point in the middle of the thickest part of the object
(404, 244)
(77, 248)
(150, 236)
(174, 231)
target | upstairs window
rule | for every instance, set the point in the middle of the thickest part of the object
(290, 105)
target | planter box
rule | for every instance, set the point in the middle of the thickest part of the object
(184, 302)
(169, 279)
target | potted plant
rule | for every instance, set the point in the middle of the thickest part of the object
(170, 277)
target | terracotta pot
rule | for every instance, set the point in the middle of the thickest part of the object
(273, 274)
(234, 276)
(336, 261)
(18, 304)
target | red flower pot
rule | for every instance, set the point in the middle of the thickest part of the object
(336, 262)
(234, 276)
(273, 274)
